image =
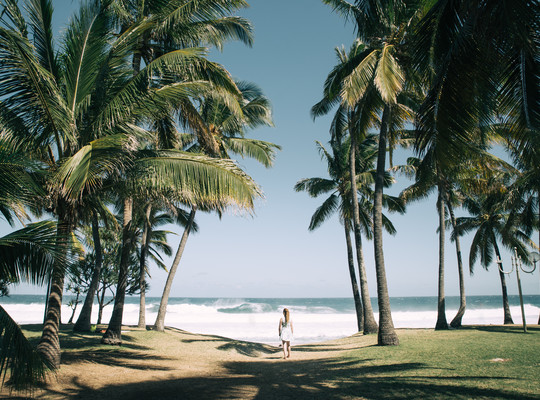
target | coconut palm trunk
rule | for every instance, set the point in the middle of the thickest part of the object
(49, 344)
(160, 319)
(370, 326)
(145, 240)
(441, 301)
(456, 322)
(83, 323)
(113, 334)
(354, 283)
(387, 335)
(506, 306)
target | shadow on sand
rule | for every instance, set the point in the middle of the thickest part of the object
(326, 379)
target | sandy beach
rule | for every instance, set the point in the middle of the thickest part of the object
(182, 365)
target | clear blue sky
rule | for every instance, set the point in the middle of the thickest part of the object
(272, 254)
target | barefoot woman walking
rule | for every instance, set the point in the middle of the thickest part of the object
(286, 333)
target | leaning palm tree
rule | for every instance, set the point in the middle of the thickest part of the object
(339, 185)
(219, 129)
(152, 243)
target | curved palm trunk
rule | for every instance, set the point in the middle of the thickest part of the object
(49, 344)
(356, 293)
(83, 323)
(160, 319)
(101, 300)
(387, 335)
(113, 335)
(370, 326)
(441, 305)
(456, 322)
(142, 270)
(506, 306)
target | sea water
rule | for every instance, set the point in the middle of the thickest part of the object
(257, 319)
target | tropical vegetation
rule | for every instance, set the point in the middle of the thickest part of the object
(127, 124)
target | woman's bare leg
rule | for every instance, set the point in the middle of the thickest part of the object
(284, 345)
(289, 349)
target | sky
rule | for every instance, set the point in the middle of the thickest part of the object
(272, 253)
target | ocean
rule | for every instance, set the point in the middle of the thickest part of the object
(256, 319)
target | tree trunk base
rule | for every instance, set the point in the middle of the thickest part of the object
(387, 339)
(82, 327)
(508, 321)
(456, 322)
(370, 327)
(112, 338)
(441, 326)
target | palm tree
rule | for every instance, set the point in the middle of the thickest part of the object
(219, 130)
(26, 255)
(491, 225)
(83, 323)
(153, 242)
(376, 72)
(340, 199)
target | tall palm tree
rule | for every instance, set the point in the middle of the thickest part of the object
(153, 242)
(339, 185)
(377, 66)
(83, 323)
(355, 121)
(219, 130)
(491, 225)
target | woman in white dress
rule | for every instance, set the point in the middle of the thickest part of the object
(286, 333)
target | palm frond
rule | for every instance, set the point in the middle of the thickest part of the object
(263, 152)
(195, 179)
(20, 364)
(322, 213)
(29, 254)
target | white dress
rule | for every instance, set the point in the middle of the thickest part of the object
(286, 332)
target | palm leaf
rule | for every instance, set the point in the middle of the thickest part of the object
(263, 152)
(389, 77)
(198, 179)
(20, 364)
(29, 254)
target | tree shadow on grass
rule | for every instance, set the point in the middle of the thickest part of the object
(334, 378)
(503, 328)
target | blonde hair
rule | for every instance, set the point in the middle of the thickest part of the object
(286, 315)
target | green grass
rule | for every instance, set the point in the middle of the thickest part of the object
(483, 362)
(475, 362)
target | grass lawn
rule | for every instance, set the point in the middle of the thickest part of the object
(481, 362)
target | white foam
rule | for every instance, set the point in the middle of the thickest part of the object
(263, 326)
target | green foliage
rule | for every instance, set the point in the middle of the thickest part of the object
(20, 364)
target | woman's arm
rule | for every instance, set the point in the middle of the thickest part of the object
(279, 327)
(292, 330)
